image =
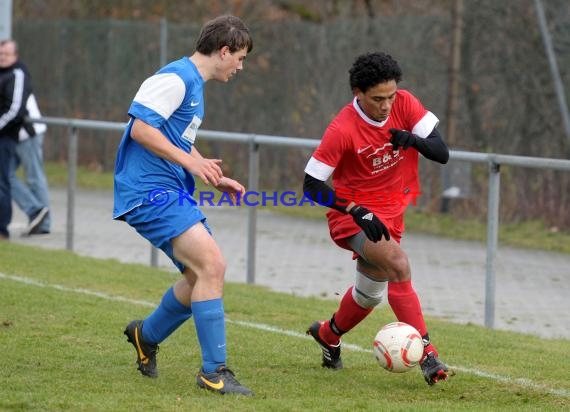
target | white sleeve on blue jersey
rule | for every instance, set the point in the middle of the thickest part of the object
(162, 93)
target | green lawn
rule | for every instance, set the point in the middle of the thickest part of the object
(62, 318)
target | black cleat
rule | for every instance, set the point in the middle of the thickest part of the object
(146, 353)
(331, 354)
(223, 381)
(433, 369)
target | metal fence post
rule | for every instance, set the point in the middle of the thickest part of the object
(253, 185)
(554, 71)
(153, 256)
(492, 241)
(71, 184)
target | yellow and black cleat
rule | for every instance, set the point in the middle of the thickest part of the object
(146, 353)
(223, 381)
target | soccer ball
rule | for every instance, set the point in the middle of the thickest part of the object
(398, 347)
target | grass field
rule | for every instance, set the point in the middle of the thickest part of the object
(62, 318)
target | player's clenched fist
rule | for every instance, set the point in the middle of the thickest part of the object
(373, 227)
(402, 138)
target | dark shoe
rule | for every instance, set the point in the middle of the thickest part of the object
(433, 369)
(223, 381)
(146, 353)
(36, 220)
(331, 354)
(38, 231)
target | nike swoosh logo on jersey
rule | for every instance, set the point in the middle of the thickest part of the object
(193, 104)
(362, 149)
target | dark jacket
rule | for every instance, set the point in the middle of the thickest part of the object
(15, 88)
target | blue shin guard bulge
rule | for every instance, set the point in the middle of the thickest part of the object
(165, 319)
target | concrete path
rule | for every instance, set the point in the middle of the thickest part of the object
(296, 256)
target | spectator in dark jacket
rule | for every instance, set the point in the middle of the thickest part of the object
(15, 88)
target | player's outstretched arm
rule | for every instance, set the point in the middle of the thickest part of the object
(208, 170)
(152, 139)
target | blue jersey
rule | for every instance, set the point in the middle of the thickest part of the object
(172, 100)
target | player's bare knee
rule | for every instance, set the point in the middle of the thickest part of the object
(400, 267)
(216, 270)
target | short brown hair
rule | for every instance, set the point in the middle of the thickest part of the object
(223, 31)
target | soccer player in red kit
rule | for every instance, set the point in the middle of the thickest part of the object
(371, 149)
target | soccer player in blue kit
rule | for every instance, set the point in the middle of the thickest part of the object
(154, 179)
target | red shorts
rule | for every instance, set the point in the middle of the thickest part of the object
(342, 226)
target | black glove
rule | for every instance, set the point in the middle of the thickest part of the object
(402, 138)
(373, 228)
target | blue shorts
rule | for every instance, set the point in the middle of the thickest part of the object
(160, 223)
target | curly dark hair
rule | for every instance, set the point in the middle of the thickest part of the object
(371, 69)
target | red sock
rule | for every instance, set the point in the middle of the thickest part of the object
(348, 315)
(406, 306)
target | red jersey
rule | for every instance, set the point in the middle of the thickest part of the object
(357, 151)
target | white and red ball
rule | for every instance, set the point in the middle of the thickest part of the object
(398, 347)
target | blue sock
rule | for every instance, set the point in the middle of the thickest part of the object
(165, 319)
(211, 330)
